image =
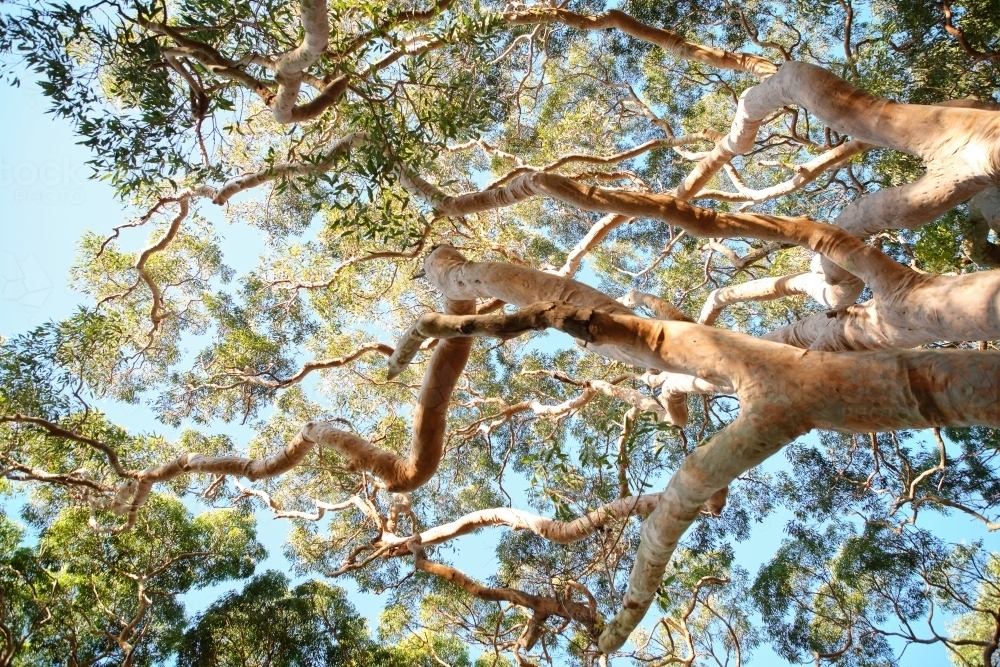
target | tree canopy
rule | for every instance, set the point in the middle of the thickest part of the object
(770, 227)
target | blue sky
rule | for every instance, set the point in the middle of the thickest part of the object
(47, 201)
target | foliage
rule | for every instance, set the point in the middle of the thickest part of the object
(92, 599)
(176, 100)
(267, 624)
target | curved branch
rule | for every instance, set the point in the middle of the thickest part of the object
(961, 159)
(288, 70)
(805, 173)
(208, 56)
(593, 238)
(321, 507)
(661, 309)
(225, 193)
(975, 54)
(919, 307)
(665, 39)
(323, 364)
(560, 532)
(57, 431)
(984, 215)
(628, 154)
(27, 473)
(543, 605)
(877, 391)
(429, 418)
(763, 289)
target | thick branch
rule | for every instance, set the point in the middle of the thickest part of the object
(289, 68)
(429, 418)
(560, 532)
(665, 39)
(928, 307)
(764, 289)
(783, 393)
(961, 146)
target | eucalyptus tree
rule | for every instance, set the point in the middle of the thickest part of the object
(268, 624)
(785, 217)
(77, 597)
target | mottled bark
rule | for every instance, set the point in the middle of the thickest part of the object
(399, 473)
(458, 278)
(915, 310)
(960, 146)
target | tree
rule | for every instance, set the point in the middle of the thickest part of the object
(269, 625)
(833, 276)
(77, 597)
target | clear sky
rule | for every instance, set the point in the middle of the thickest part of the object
(47, 201)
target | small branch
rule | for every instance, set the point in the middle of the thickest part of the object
(59, 432)
(959, 35)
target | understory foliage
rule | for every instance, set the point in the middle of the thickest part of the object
(322, 125)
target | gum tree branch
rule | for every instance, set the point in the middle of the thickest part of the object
(560, 532)
(665, 39)
(877, 391)
(57, 431)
